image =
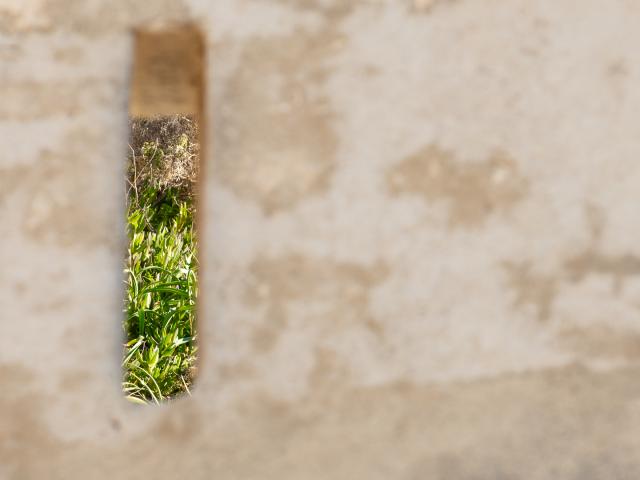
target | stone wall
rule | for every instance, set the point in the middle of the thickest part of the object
(419, 241)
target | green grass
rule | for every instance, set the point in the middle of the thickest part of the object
(161, 288)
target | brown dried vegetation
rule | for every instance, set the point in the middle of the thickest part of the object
(163, 153)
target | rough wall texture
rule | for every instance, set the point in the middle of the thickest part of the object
(420, 248)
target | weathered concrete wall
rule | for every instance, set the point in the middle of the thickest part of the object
(420, 247)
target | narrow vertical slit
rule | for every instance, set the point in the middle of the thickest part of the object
(161, 262)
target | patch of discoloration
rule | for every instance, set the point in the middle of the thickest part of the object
(328, 371)
(61, 203)
(276, 136)
(27, 447)
(53, 304)
(617, 74)
(88, 17)
(617, 69)
(69, 55)
(30, 100)
(594, 262)
(74, 380)
(473, 191)
(16, 376)
(22, 17)
(541, 290)
(10, 180)
(73, 337)
(423, 6)
(532, 289)
(332, 10)
(182, 425)
(495, 428)
(602, 342)
(492, 429)
(235, 371)
(20, 288)
(370, 71)
(596, 221)
(10, 51)
(337, 290)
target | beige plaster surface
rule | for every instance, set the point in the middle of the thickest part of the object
(419, 241)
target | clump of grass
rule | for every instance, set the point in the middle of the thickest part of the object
(161, 278)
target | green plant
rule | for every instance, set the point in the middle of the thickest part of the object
(161, 281)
